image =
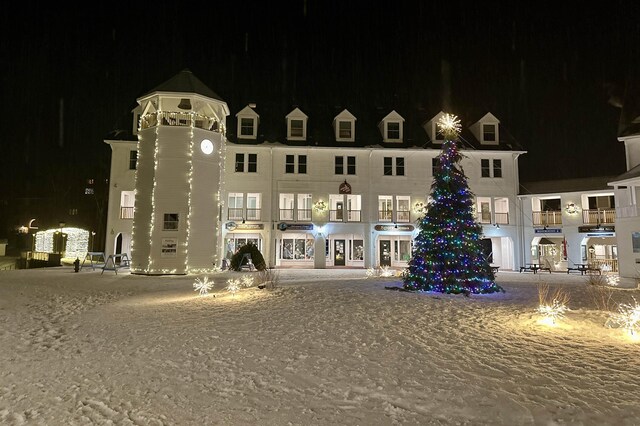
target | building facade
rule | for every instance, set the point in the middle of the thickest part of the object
(194, 183)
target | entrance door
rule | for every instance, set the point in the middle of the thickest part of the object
(338, 253)
(487, 249)
(339, 210)
(385, 252)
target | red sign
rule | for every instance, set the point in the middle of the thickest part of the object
(344, 188)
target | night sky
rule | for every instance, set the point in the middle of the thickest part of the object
(550, 73)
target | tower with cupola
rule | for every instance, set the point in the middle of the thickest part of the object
(178, 179)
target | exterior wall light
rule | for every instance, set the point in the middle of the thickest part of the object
(571, 208)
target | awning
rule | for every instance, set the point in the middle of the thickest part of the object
(546, 241)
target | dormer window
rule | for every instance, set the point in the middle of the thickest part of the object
(391, 127)
(344, 129)
(486, 130)
(248, 121)
(344, 126)
(489, 132)
(297, 125)
(247, 127)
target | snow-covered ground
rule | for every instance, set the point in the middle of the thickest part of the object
(326, 347)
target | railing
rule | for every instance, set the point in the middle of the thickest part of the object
(353, 215)
(605, 265)
(501, 218)
(336, 215)
(627, 211)
(126, 212)
(599, 216)
(286, 214)
(235, 214)
(547, 218)
(184, 119)
(484, 218)
(253, 214)
(385, 215)
(304, 215)
(403, 216)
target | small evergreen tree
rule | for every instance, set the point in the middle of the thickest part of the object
(447, 255)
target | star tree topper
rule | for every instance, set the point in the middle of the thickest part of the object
(449, 126)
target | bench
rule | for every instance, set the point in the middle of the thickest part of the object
(111, 265)
(95, 258)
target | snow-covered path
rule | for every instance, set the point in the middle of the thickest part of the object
(325, 348)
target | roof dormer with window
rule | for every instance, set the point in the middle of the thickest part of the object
(391, 127)
(297, 125)
(432, 130)
(344, 125)
(486, 130)
(248, 121)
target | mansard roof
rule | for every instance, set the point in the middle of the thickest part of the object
(597, 183)
(320, 131)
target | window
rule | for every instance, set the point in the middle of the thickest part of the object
(302, 164)
(393, 131)
(297, 128)
(403, 208)
(435, 163)
(246, 126)
(252, 163)
(486, 169)
(385, 208)
(290, 164)
(339, 165)
(388, 166)
(497, 168)
(170, 222)
(344, 129)
(351, 165)
(489, 132)
(236, 205)
(286, 206)
(133, 160)
(304, 207)
(253, 206)
(399, 166)
(239, 162)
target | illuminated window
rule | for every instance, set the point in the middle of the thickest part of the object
(170, 222)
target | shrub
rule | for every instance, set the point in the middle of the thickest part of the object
(254, 253)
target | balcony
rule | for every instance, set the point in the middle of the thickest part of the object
(385, 215)
(501, 218)
(286, 214)
(304, 215)
(182, 119)
(235, 214)
(598, 216)
(403, 216)
(126, 212)
(339, 215)
(253, 214)
(545, 218)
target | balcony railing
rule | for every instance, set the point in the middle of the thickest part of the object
(547, 218)
(184, 119)
(235, 213)
(599, 216)
(341, 215)
(484, 217)
(385, 215)
(501, 218)
(286, 214)
(403, 216)
(126, 212)
(304, 215)
(253, 214)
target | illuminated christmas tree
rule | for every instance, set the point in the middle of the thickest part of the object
(447, 254)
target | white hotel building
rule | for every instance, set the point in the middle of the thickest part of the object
(311, 188)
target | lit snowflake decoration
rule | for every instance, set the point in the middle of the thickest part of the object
(233, 286)
(628, 317)
(449, 126)
(554, 311)
(203, 286)
(385, 271)
(372, 272)
(613, 280)
(247, 281)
